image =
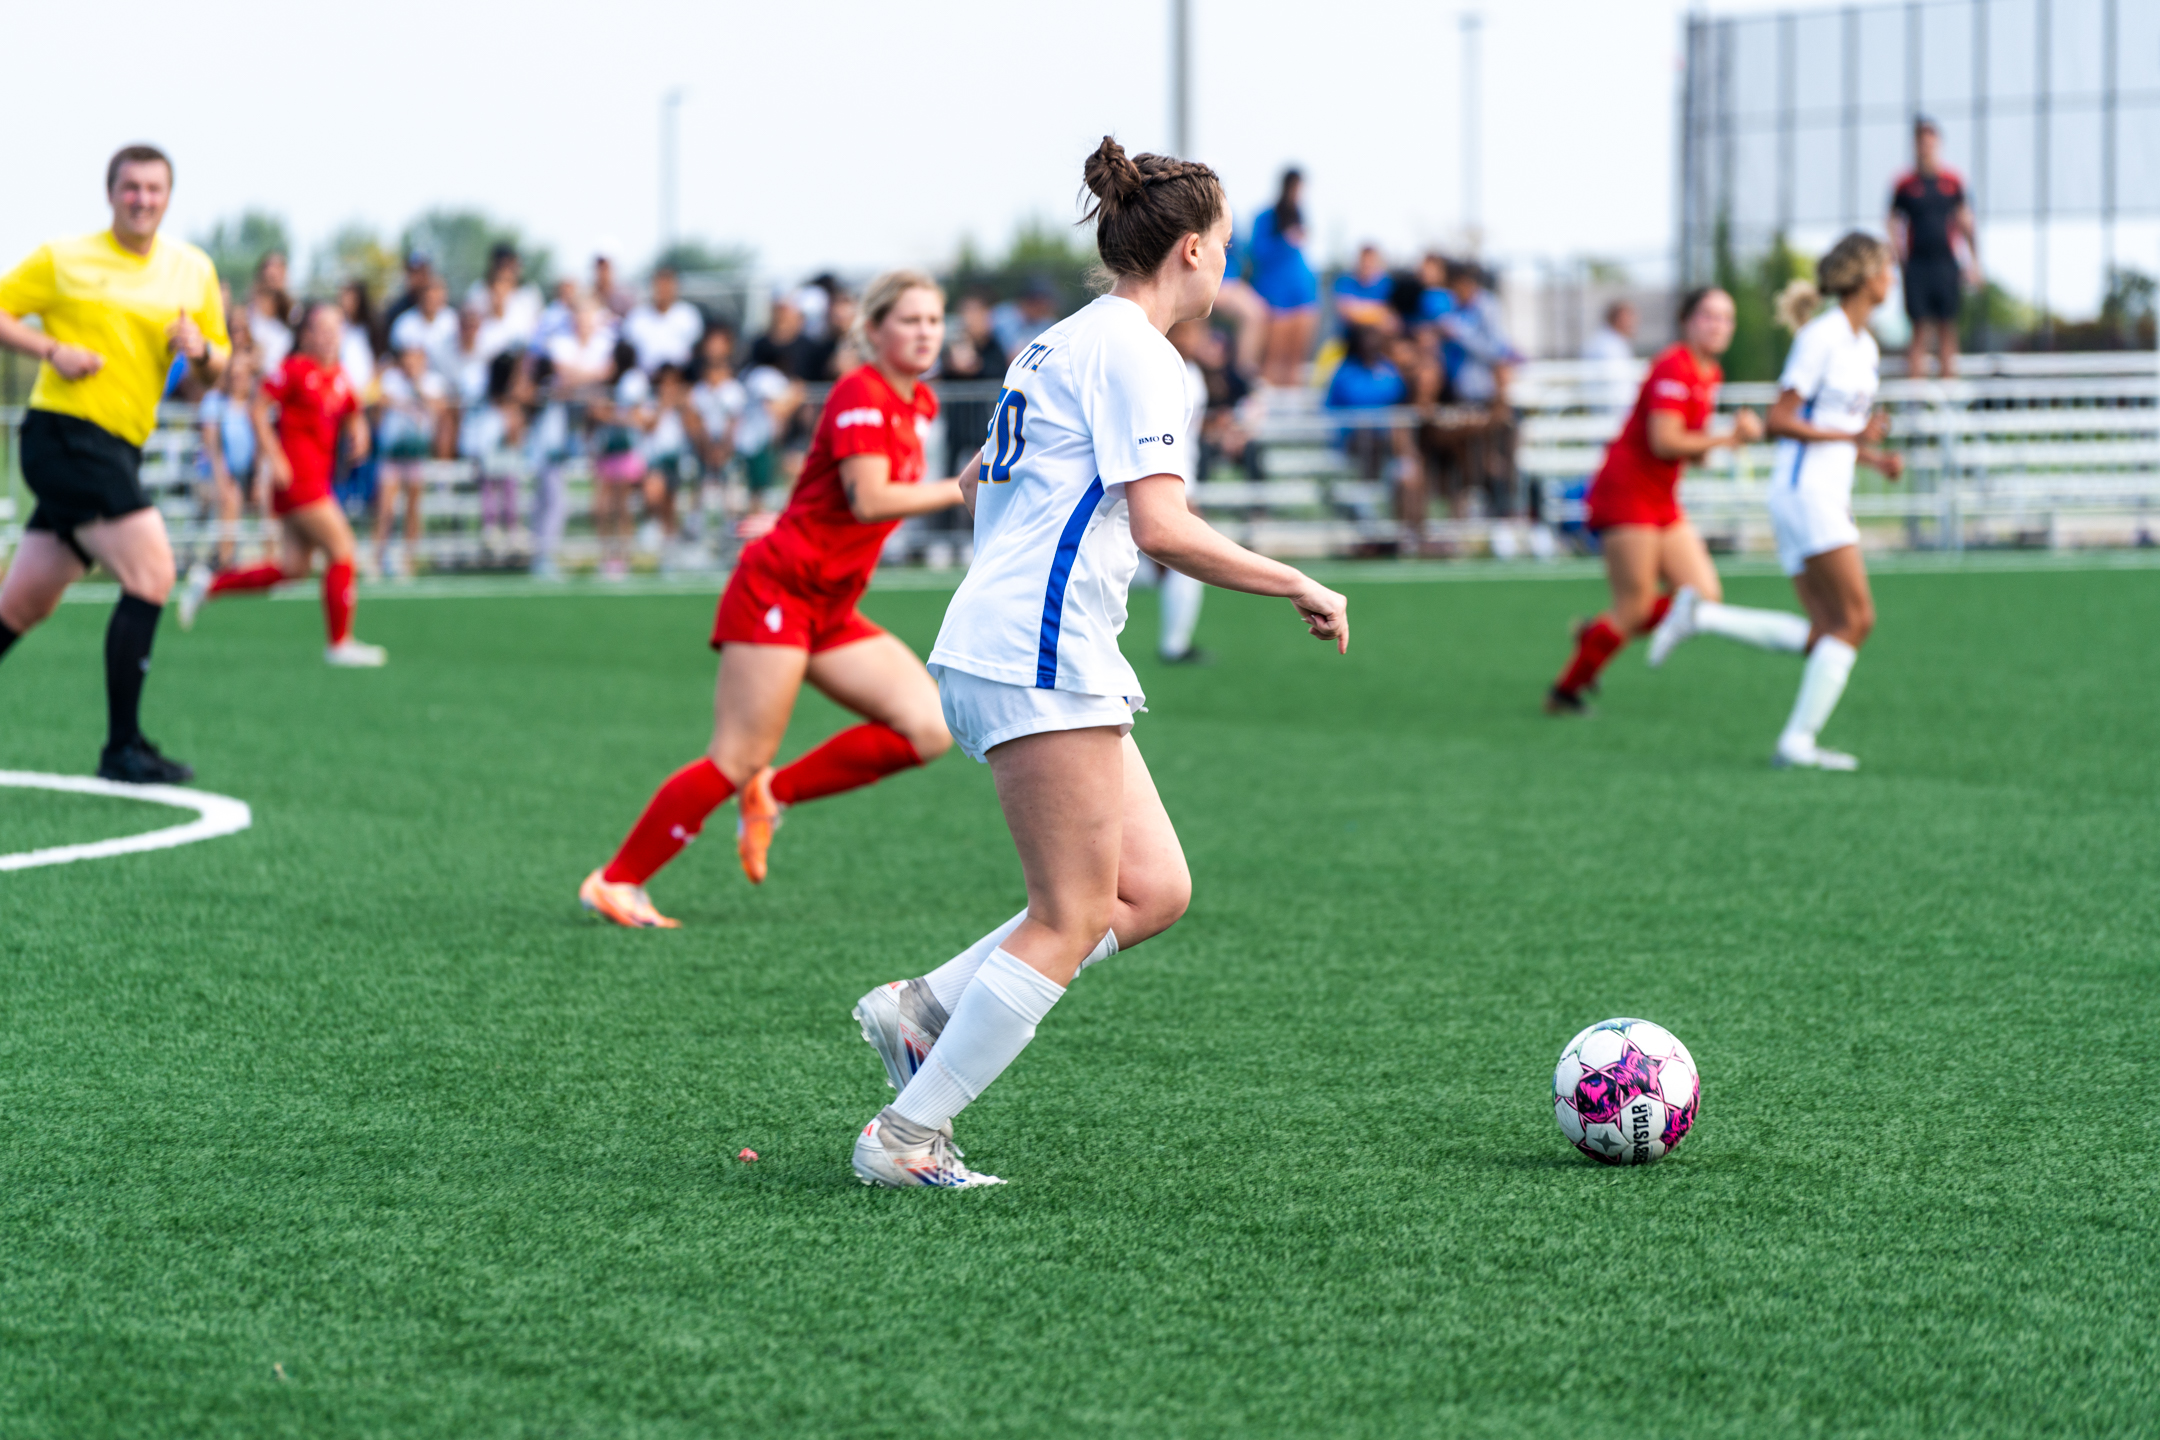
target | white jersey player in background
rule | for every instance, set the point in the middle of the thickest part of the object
(1825, 423)
(1081, 472)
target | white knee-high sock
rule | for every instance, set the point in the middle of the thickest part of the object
(989, 1028)
(1181, 596)
(950, 980)
(1821, 683)
(1764, 629)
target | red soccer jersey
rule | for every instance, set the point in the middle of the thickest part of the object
(1674, 383)
(313, 401)
(817, 541)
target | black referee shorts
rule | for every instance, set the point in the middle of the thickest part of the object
(1933, 289)
(80, 473)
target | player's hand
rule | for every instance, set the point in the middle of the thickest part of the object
(1325, 613)
(1877, 429)
(1890, 462)
(756, 526)
(186, 338)
(1747, 427)
(279, 469)
(74, 362)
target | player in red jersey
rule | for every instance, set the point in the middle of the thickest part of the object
(789, 615)
(316, 404)
(1635, 511)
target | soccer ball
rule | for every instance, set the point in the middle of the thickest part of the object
(1626, 1092)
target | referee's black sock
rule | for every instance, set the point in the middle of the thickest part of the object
(8, 637)
(127, 665)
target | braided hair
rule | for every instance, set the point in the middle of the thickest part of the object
(1145, 204)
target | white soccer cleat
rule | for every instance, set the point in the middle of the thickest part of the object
(193, 592)
(898, 1154)
(356, 655)
(1678, 625)
(901, 1021)
(1807, 755)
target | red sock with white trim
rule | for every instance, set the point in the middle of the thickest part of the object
(1597, 643)
(853, 758)
(671, 820)
(338, 599)
(254, 577)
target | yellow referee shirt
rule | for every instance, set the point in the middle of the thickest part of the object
(89, 291)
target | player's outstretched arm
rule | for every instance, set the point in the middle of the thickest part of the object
(872, 495)
(1170, 534)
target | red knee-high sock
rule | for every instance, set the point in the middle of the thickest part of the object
(254, 577)
(1658, 607)
(1599, 641)
(671, 820)
(863, 755)
(338, 599)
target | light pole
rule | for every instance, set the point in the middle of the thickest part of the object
(1473, 31)
(670, 167)
(1181, 78)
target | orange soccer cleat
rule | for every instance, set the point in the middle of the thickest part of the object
(757, 815)
(623, 903)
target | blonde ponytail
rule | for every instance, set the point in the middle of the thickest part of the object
(1796, 304)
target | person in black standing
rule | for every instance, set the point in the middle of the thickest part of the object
(1930, 212)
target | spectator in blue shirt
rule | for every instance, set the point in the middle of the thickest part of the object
(1282, 276)
(1435, 301)
(1368, 380)
(1363, 295)
(1475, 348)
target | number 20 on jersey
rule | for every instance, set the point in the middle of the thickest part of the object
(1005, 442)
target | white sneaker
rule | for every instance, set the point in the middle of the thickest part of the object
(1798, 754)
(901, 1021)
(193, 593)
(356, 655)
(898, 1154)
(1678, 625)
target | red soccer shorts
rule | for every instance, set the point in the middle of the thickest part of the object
(1611, 505)
(760, 608)
(297, 496)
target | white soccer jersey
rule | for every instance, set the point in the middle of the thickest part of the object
(1094, 402)
(1835, 369)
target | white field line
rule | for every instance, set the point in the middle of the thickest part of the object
(214, 815)
(1334, 572)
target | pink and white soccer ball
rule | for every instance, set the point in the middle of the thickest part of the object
(1626, 1092)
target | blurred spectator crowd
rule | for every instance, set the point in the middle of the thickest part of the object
(688, 434)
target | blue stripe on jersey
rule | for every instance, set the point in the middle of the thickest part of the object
(1061, 564)
(1799, 454)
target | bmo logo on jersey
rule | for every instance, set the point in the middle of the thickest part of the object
(1157, 439)
(866, 415)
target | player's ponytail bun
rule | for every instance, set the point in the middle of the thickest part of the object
(1796, 304)
(1145, 204)
(1851, 263)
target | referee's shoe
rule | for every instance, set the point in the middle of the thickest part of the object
(139, 763)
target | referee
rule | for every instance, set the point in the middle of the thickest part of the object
(117, 307)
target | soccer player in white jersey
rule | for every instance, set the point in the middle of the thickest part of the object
(1825, 423)
(1081, 472)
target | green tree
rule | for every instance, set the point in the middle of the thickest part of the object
(705, 257)
(459, 241)
(1759, 342)
(236, 245)
(1041, 252)
(355, 252)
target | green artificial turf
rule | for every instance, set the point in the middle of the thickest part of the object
(359, 1099)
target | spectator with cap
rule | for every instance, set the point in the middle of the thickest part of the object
(664, 328)
(1930, 215)
(1016, 323)
(419, 269)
